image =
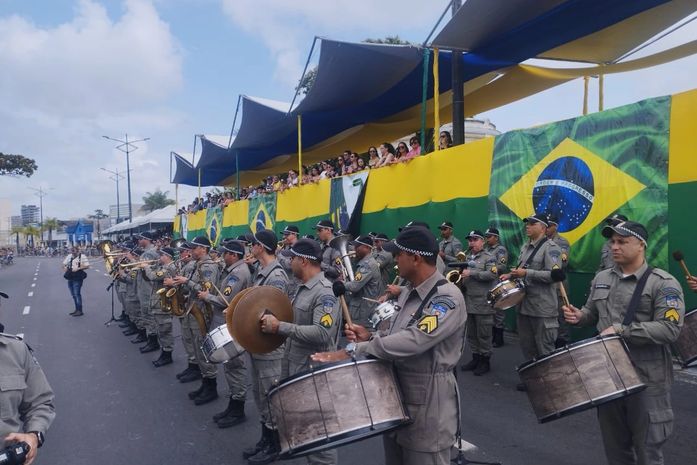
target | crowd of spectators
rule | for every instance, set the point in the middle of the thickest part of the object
(345, 164)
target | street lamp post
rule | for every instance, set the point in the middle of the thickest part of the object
(127, 147)
(40, 193)
(116, 176)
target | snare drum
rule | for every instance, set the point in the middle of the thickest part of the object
(506, 294)
(383, 312)
(579, 376)
(336, 404)
(686, 345)
(219, 347)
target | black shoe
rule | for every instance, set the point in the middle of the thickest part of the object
(151, 346)
(125, 322)
(472, 364)
(165, 359)
(268, 454)
(266, 437)
(133, 329)
(122, 317)
(234, 417)
(186, 371)
(521, 387)
(560, 342)
(192, 395)
(142, 337)
(209, 392)
(193, 375)
(77, 313)
(225, 412)
(483, 366)
(497, 339)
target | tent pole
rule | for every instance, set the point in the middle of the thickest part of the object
(300, 149)
(601, 92)
(424, 98)
(176, 196)
(585, 95)
(307, 63)
(234, 121)
(193, 154)
(458, 107)
(436, 102)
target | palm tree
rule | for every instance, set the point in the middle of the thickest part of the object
(30, 232)
(98, 216)
(17, 230)
(156, 200)
(51, 224)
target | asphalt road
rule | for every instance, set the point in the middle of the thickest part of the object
(113, 407)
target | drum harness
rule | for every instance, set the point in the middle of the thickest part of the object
(528, 262)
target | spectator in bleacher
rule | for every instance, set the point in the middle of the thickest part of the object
(314, 174)
(361, 164)
(415, 148)
(292, 178)
(445, 140)
(374, 159)
(387, 154)
(402, 151)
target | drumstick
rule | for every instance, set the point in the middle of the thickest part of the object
(558, 276)
(345, 311)
(222, 296)
(680, 258)
(371, 300)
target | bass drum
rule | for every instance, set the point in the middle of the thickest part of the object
(686, 345)
(336, 404)
(579, 376)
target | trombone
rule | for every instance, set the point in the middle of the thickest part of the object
(138, 263)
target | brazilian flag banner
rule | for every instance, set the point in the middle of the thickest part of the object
(262, 212)
(214, 224)
(344, 196)
(583, 170)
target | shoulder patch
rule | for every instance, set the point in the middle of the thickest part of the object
(160, 274)
(672, 315)
(670, 291)
(428, 323)
(207, 285)
(232, 279)
(502, 259)
(326, 321)
(328, 303)
(278, 284)
(493, 269)
(673, 300)
(358, 276)
(564, 257)
(439, 306)
(227, 291)
(555, 254)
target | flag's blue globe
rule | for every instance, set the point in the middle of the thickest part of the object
(261, 220)
(213, 231)
(565, 188)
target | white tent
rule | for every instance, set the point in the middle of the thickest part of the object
(161, 216)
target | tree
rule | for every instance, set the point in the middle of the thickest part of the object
(50, 225)
(310, 76)
(16, 165)
(98, 216)
(156, 200)
(30, 232)
(17, 230)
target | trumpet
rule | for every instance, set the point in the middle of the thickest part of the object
(135, 264)
(454, 276)
(461, 256)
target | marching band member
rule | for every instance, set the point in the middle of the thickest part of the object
(499, 251)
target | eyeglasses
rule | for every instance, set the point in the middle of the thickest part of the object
(413, 143)
(402, 147)
(373, 151)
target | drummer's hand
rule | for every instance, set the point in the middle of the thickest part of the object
(610, 330)
(203, 295)
(505, 277)
(324, 357)
(518, 272)
(572, 315)
(383, 298)
(692, 283)
(269, 324)
(356, 333)
(394, 290)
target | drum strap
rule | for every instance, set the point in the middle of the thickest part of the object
(267, 276)
(532, 255)
(634, 301)
(420, 311)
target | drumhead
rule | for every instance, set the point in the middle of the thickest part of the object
(565, 349)
(321, 369)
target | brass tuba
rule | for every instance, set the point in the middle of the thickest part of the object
(340, 243)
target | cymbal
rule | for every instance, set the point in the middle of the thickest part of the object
(246, 329)
(230, 310)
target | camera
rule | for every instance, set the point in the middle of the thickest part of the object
(14, 454)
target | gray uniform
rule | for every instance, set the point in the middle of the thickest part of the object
(501, 254)
(234, 278)
(635, 428)
(563, 332)
(145, 290)
(26, 397)
(450, 247)
(424, 355)
(537, 314)
(483, 273)
(206, 272)
(129, 279)
(266, 368)
(386, 262)
(284, 257)
(329, 256)
(163, 319)
(367, 283)
(316, 321)
(606, 261)
(187, 270)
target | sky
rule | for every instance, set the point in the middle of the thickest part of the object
(76, 70)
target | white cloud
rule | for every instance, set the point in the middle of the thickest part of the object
(287, 27)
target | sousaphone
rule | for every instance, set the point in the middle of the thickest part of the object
(244, 313)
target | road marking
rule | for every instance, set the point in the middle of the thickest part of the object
(30, 294)
(33, 284)
(106, 274)
(26, 310)
(36, 274)
(34, 279)
(20, 335)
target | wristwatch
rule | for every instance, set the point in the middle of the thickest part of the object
(351, 349)
(39, 437)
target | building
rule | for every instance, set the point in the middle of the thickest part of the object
(5, 221)
(123, 212)
(16, 221)
(475, 129)
(30, 215)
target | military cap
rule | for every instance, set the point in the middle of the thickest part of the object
(446, 225)
(492, 232)
(415, 240)
(200, 241)
(325, 224)
(233, 246)
(307, 248)
(475, 234)
(363, 240)
(626, 229)
(537, 218)
(290, 229)
(266, 238)
(414, 223)
(616, 218)
(147, 235)
(167, 251)
(552, 219)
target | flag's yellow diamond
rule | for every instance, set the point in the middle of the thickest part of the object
(574, 184)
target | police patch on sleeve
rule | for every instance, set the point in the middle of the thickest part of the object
(160, 274)
(440, 305)
(326, 321)
(328, 303)
(428, 323)
(555, 254)
(672, 300)
(672, 315)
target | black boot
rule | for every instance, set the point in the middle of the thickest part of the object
(192, 395)
(209, 393)
(78, 311)
(142, 337)
(151, 346)
(193, 375)
(472, 364)
(131, 330)
(122, 317)
(125, 322)
(269, 453)
(165, 359)
(483, 366)
(186, 370)
(235, 415)
(497, 339)
(266, 437)
(225, 412)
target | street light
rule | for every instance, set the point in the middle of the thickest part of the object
(116, 176)
(126, 147)
(40, 193)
